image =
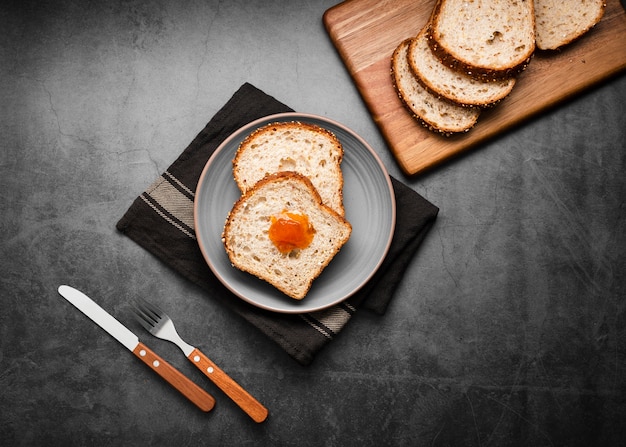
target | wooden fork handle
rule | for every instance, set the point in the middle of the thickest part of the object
(174, 377)
(232, 389)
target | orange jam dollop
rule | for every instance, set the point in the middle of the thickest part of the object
(289, 231)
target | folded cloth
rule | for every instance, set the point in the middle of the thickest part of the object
(161, 221)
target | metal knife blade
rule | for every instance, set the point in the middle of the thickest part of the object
(121, 333)
(99, 316)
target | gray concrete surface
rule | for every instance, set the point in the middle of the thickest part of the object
(509, 329)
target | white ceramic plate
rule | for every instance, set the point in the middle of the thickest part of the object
(370, 208)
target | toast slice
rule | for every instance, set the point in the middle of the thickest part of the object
(560, 22)
(434, 113)
(311, 150)
(281, 232)
(447, 83)
(492, 39)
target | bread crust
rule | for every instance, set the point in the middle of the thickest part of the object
(450, 84)
(453, 58)
(334, 166)
(414, 109)
(554, 30)
(321, 262)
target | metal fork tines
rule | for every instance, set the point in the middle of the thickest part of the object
(159, 324)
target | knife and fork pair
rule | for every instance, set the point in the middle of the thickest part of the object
(161, 326)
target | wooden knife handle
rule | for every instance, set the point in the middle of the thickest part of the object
(174, 377)
(232, 389)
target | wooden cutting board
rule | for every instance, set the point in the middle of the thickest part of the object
(365, 33)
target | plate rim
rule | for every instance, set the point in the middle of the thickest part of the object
(292, 116)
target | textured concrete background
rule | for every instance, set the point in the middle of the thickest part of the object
(509, 329)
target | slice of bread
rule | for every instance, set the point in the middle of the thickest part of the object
(450, 84)
(434, 113)
(493, 39)
(246, 234)
(559, 22)
(293, 146)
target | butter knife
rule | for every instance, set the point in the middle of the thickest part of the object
(189, 389)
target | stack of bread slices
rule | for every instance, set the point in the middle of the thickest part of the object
(289, 222)
(469, 54)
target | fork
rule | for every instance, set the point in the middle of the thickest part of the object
(159, 324)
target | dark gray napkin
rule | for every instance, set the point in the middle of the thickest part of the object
(161, 221)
